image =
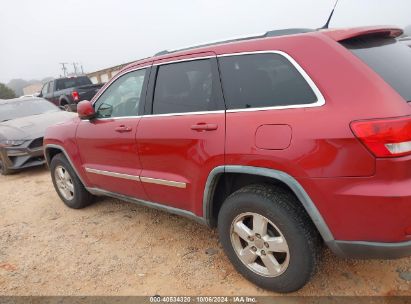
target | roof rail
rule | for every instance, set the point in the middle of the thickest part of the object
(273, 33)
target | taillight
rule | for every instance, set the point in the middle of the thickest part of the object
(75, 95)
(389, 137)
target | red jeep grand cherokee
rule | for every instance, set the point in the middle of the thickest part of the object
(282, 141)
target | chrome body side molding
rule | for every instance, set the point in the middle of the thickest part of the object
(113, 174)
(163, 182)
(143, 179)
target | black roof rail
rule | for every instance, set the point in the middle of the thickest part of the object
(274, 33)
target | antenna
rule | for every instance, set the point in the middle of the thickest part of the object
(325, 26)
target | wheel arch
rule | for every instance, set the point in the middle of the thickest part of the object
(51, 150)
(63, 99)
(257, 173)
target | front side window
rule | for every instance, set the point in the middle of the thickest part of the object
(44, 89)
(122, 97)
(185, 87)
(263, 80)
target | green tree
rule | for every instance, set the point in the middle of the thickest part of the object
(6, 92)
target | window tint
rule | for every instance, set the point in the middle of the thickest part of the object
(387, 57)
(185, 87)
(262, 80)
(44, 89)
(122, 97)
(51, 87)
(17, 109)
(66, 83)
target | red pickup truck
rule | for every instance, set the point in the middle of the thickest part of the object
(284, 142)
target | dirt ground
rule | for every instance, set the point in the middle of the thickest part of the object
(118, 248)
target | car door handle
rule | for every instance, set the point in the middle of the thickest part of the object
(204, 127)
(122, 129)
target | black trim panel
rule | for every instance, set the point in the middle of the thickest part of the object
(373, 250)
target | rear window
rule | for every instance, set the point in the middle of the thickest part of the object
(263, 80)
(66, 83)
(25, 107)
(388, 57)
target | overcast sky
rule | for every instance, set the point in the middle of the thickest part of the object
(35, 35)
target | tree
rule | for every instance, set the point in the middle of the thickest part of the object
(6, 92)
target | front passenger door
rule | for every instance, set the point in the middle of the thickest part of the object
(107, 144)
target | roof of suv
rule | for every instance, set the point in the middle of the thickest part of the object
(335, 34)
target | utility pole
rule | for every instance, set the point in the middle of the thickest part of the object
(75, 68)
(63, 68)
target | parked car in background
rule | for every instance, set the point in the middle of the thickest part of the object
(283, 142)
(67, 92)
(23, 122)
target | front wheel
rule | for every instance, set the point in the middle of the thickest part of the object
(268, 238)
(3, 167)
(67, 184)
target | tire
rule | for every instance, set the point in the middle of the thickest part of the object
(3, 168)
(69, 187)
(64, 105)
(297, 256)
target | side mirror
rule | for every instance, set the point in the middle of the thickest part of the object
(37, 94)
(85, 110)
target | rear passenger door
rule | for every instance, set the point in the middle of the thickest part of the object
(181, 139)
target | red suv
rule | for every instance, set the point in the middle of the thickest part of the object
(283, 141)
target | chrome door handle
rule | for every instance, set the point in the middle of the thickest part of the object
(204, 127)
(122, 129)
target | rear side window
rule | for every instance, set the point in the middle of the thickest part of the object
(263, 80)
(186, 87)
(388, 57)
(66, 83)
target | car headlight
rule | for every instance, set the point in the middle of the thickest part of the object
(11, 143)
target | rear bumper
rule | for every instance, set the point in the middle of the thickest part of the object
(371, 250)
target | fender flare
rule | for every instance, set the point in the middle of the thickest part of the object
(290, 181)
(48, 160)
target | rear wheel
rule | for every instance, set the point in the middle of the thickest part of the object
(268, 238)
(65, 105)
(67, 184)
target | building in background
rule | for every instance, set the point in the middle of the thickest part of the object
(31, 89)
(103, 76)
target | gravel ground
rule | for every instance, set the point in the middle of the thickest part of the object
(118, 248)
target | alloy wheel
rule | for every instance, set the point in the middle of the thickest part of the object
(64, 182)
(259, 244)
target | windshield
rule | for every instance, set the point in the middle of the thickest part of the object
(388, 57)
(66, 83)
(26, 107)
